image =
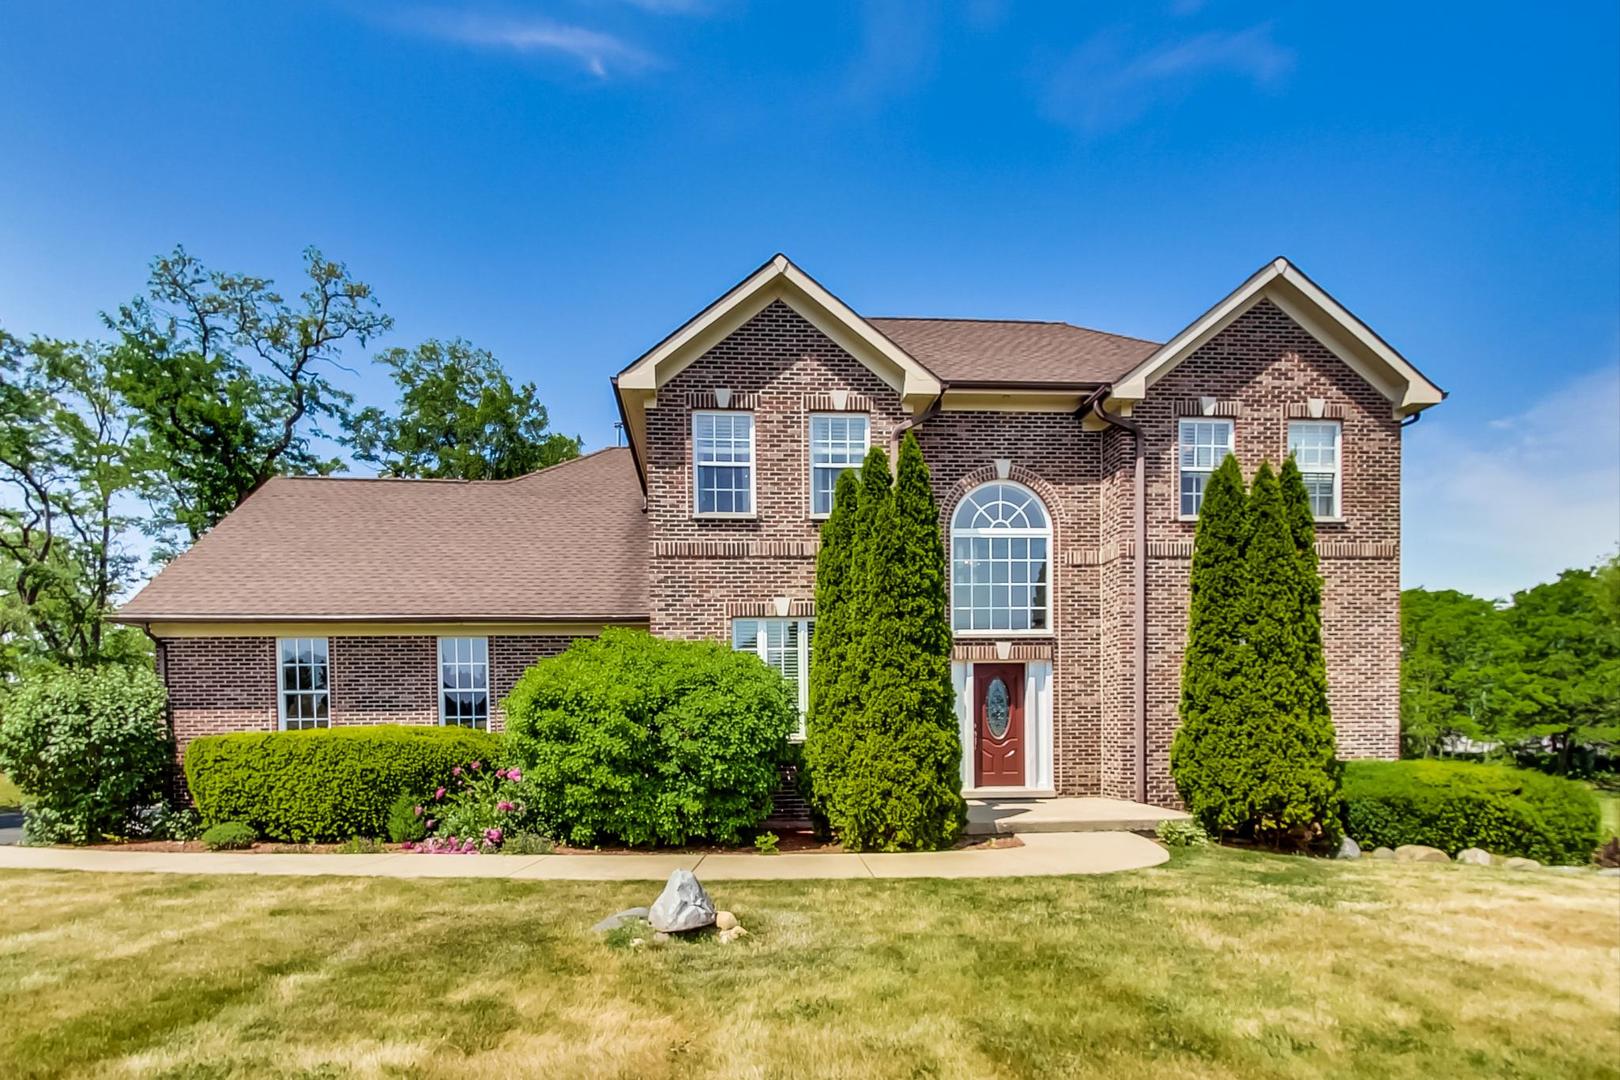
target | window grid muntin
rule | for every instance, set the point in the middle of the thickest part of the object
(1001, 557)
(1316, 446)
(1201, 445)
(723, 464)
(785, 645)
(464, 682)
(833, 452)
(303, 671)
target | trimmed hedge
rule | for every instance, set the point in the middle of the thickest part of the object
(330, 785)
(1453, 805)
(649, 741)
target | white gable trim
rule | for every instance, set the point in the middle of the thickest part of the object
(1323, 317)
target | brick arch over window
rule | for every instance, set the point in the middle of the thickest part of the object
(1010, 586)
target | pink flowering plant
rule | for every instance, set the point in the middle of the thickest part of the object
(476, 811)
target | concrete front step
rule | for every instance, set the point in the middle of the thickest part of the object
(988, 815)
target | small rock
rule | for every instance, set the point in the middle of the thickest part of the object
(724, 920)
(1420, 853)
(660, 938)
(613, 922)
(1474, 856)
(1348, 849)
(1609, 871)
(1516, 863)
(683, 905)
(726, 937)
(636, 943)
(1383, 853)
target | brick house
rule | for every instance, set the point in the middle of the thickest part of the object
(1068, 463)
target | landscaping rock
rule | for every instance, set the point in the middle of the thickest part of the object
(1348, 849)
(1474, 856)
(1420, 853)
(1516, 863)
(682, 906)
(726, 937)
(1609, 871)
(613, 922)
(1567, 869)
(1383, 853)
(660, 938)
(724, 920)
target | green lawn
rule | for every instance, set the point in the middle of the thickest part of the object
(1220, 964)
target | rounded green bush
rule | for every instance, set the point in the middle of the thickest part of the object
(89, 747)
(326, 785)
(649, 741)
(229, 836)
(1453, 805)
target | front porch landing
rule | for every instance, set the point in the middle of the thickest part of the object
(1015, 815)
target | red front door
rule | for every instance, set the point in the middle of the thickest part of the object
(998, 726)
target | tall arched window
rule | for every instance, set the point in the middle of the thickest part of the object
(1001, 540)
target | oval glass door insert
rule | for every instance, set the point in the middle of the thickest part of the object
(997, 709)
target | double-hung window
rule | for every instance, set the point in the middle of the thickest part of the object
(464, 682)
(783, 644)
(838, 441)
(723, 464)
(1315, 447)
(1202, 445)
(304, 700)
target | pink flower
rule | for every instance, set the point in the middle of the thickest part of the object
(475, 766)
(492, 835)
(439, 794)
(417, 810)
(456, 771)
(431, 823)
(513, 775)
(505, 807)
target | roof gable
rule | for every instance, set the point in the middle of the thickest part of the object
(1321, 316)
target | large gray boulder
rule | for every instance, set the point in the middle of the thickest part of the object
(1348, 849)
(1474, 856)
(1420, 853)
(683, 905)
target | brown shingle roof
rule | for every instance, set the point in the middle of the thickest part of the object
(968, 351)
(568, 542)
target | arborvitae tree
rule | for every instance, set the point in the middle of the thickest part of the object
(827, 736)
(1294, 788)
(905, 771)
(1210, 759)
(1302, 529)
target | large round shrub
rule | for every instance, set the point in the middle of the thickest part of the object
(1452, 805)
(326, 785)
(88, 747)
(634, 738)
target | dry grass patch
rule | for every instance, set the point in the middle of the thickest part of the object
(1219, 964)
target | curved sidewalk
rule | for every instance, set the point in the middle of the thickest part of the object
(1043, 854)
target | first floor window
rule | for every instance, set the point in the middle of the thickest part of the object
(723, 463)
(464, 681)
(1315, 446)
(784, 644)
(837, 442)
(304, 699)
(1202, 445)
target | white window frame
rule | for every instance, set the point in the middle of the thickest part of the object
(752, 465)
(313, 694)
(1183, 469)
(760, 647)
(477, 663)
(1009, 534)
(1338, 464)
(836, 469)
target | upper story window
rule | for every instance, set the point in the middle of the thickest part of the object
(838, 441)
(1202, 445)
(1001, 537)
(1315, 446)
(723, 464)
(304, 700)
(464, 681)
(783, 644)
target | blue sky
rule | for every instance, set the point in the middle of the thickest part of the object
(564, 183)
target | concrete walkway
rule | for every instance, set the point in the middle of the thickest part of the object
(1043, 854)
(1086, 814)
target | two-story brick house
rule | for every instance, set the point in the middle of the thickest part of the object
(1068, 463)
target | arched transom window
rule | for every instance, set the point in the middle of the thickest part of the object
(1001, 540)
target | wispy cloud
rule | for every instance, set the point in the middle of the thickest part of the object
(597, 52)
(1511, 504)
(1107, 82)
